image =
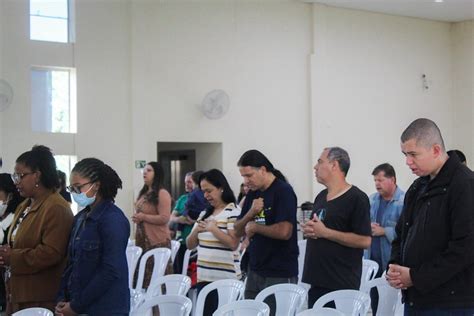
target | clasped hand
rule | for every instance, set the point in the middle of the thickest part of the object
(314, 228)
(399, 276)
(208, 225)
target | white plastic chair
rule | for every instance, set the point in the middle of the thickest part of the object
(306, 286)
(133, 255)
(174, 249)
(175, 284)
(34, 311)
(187, 255)
(289, 297)
(350, 302)
(388, 296)
(161, 257)
(369, 270)
(325, 311)
(227, 290)
(243, 308)
(176, 305)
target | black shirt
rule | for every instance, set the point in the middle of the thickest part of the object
(274, 257)
(327, 263)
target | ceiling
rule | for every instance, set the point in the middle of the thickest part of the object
(448, 10)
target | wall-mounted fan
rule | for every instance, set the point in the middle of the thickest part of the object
(6, 95)
(215, 104)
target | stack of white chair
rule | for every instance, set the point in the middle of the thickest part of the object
(324, 311)
(349, 302)
(34, 311)
(175, 305)
(227, 290)
(161, 256)
(243, 308)
(174, 249)
(389, 297)
(369, 271)
(289, 298)
(133, 255)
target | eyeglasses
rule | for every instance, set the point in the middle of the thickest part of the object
(76, 188)
(17, 177)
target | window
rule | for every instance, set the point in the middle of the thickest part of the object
(49, 20)
(53, 100)
(65, 163)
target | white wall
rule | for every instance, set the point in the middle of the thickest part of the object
(462, 35)
(256, 52)
(2, 153)
(366, 85)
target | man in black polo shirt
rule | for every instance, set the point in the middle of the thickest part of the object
(338, 231)
(268, 218)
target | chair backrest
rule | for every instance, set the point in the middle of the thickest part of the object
(34, 311)
(302, 249)
(174, 249)
(161, 256)
(187, 254)
(389, 297)
(289, 297)
(176, 305)
(175, 284)
(350, 302)
(133, 254)
(369, 270)
(227, 291)
(243, 308)
(325, 311)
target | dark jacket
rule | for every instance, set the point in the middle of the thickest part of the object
(436, 238)
(96, 278)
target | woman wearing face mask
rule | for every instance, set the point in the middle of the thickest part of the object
(152, 214)
(95, 282)
(35, 254)
(9, 200)
(213, 235)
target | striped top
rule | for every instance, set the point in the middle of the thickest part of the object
(216, 261)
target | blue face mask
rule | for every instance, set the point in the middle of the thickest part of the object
(82, 199)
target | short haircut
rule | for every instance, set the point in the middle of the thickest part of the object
(458, 153)
(341, 156)
(425, 132)
(387, 169)
(196, 176)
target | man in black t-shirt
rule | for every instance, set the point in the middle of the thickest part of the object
(338, 231)
(268, 218)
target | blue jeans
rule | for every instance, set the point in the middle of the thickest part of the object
(410, 311)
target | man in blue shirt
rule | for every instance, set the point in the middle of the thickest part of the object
(268, 219)
(385, 208)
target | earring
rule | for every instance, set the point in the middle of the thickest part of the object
(36, 185)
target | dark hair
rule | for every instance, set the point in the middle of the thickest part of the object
(62, 180)
(7, 186)
(341, 156)
(387, 169)
(40, 158)
(196, 176)
(425, 132)
(96, 170)
(458, 153)
(156, 185)
(254, 158)
(217, 179)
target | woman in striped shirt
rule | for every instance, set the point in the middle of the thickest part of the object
(213, 235)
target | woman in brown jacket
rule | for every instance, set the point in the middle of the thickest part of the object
(35, 255)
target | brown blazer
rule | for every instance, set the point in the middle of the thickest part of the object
(38, 254)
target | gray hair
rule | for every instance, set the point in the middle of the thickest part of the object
(425, 132)
(341, 156)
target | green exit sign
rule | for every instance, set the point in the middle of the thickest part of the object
(140, 164)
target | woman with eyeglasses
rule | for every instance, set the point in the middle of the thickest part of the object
(9, 201)
(213, 234)
(35, 254)
(95, 282)
(152, 214)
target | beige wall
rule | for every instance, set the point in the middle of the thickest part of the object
(300, 77)
(462, 36)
